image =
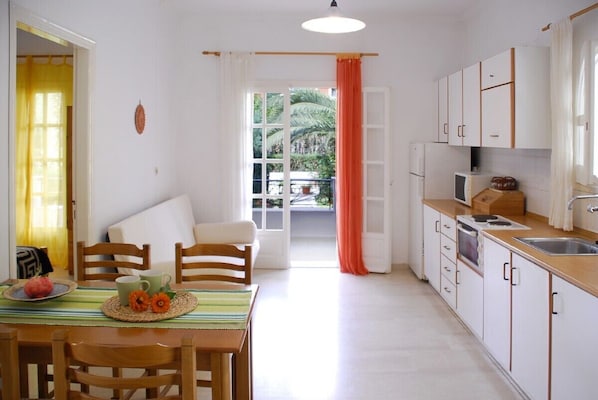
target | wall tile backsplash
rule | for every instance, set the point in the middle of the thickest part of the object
(531, 168)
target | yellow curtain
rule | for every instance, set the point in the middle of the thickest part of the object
(44, 90)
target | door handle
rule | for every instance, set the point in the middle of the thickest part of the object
(504, 271)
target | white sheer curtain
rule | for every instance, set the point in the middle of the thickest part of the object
(236, 75)
(561, 96)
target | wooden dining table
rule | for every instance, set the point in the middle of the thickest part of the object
(225, 352)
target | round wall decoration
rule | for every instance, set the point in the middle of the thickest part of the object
(139, 119)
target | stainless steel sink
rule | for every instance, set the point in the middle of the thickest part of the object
(566, 246)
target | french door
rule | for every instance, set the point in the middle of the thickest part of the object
(376, 180)
(271, 127)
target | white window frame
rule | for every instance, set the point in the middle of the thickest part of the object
(586, 113)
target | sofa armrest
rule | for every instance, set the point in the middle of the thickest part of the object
(239, 232)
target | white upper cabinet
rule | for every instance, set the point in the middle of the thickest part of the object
(516, 99)
(442, 135)
(497, 70)
(464, 107)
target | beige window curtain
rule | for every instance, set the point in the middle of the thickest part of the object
(561, 96)
(236, 76)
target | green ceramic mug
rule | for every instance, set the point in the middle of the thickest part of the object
(126, 284)
(157, 279)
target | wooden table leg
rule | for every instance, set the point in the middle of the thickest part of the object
(221, 376)
(243, 371)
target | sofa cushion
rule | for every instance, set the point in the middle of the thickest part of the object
(226, 232)
(160, 226)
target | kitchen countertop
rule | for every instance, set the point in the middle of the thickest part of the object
(581, 271)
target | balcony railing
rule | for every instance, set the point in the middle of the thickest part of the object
(305, 192)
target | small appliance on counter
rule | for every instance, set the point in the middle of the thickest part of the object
(504, 202)
(469, 184)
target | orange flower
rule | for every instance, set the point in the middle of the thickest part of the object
(139, 300)
(160, 302)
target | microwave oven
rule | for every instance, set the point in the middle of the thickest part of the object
(469, 184)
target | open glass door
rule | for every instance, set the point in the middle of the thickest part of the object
(270, 195)
(376, 181)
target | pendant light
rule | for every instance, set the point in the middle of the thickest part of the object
(334, 22)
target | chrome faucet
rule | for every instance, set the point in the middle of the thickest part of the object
(590, 208)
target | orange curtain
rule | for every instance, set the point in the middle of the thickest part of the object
(348, 165)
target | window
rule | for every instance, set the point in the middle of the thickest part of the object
(586, 112)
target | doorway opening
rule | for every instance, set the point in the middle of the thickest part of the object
(83, 56)
(44, 145)
(294, 132)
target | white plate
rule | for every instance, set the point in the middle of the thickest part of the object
(61, 287)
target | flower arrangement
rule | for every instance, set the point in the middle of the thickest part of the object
(140, 301)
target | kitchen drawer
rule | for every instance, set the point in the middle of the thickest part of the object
(448, 226)
(448, 247)
(448, 291)
(497, 70)
(448, 269)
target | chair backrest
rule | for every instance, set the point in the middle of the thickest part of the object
(73, 361)
(9, 364)
(213, 262)
(97, 262)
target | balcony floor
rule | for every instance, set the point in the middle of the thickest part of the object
(315, 252)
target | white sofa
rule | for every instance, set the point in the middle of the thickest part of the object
(172, 221)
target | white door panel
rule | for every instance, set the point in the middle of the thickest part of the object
(376, 180)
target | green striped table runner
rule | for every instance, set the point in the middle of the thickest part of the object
(216, 309)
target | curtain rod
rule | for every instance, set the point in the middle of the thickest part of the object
(290, 53)
(575, 15)
(45, 55)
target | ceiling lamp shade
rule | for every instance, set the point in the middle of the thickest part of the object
(334, 22)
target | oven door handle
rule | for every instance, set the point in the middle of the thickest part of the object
(472, 233)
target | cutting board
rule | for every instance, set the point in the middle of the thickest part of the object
(501, 202)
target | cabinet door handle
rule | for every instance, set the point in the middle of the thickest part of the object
(457, 275)
(552, 303)
(463, 130)
(459, 134)
(491, 75)
(446, 247)
(494, 135)
(437, 226)
(447, 290)
(445, 128)
(504, 271)
(513, 276)
(447, 226)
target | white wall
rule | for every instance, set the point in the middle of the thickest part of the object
(413, 54)
(495, 26)
(134, 63)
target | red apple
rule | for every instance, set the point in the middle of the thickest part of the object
(38, 286)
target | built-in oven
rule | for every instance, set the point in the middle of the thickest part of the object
(468, 245)
(470, 241)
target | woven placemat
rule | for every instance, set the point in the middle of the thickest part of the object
(182, 303)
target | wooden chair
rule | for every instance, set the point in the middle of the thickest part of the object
(213, 262)
(9, 363)
(176, 364)
(101, 260)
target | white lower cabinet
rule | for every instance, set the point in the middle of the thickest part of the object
(574, 342)
(432, 246)
(497, 302)
(470, 298)
(530, 342)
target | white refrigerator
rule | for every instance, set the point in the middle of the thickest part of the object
(431, 176)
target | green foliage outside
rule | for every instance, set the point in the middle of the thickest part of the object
(313, 125)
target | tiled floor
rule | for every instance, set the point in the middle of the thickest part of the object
(313, 252)
(320, 334)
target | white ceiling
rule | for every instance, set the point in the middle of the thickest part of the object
(352, 8)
